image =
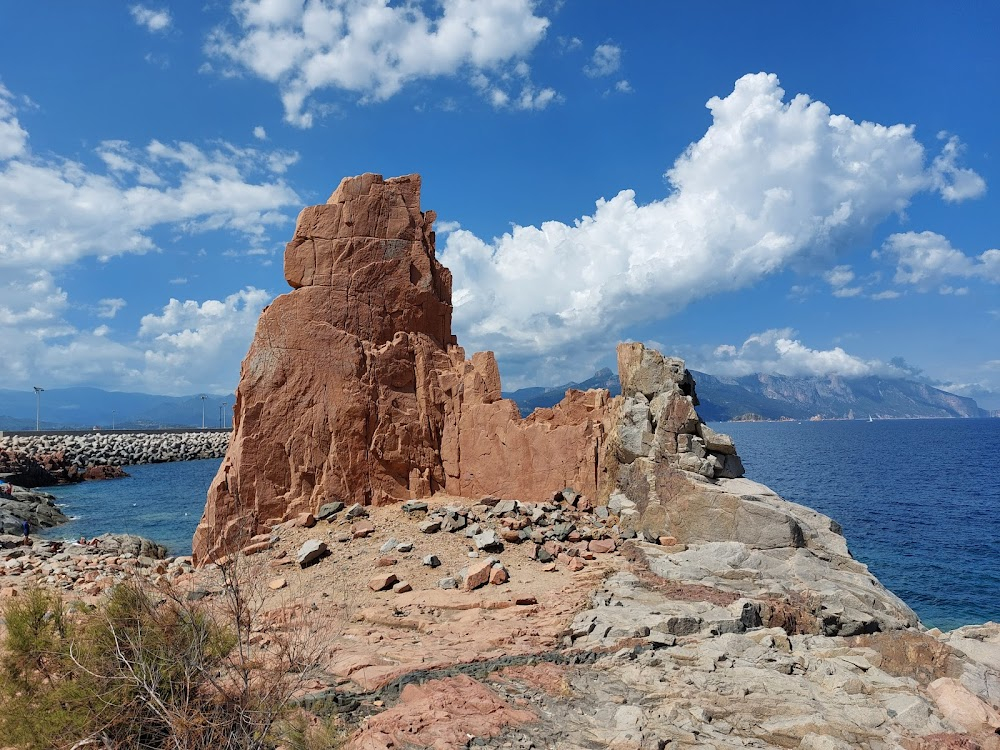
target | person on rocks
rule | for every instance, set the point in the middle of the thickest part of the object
(6, 490)
(27, 533)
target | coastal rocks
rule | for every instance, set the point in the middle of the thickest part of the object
(37, 508)
(386, 407)
(88, 568)
(46, 460)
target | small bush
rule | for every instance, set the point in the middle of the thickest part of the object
(148, 670)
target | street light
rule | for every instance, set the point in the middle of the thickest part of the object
(38, 407)
(113, 419)
(203, 411)
(225, 421)
(220, 415)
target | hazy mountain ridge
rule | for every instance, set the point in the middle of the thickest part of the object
(722, 399)
(83, 408)
(775, 396)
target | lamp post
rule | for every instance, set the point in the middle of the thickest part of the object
(225, 421)
(38, 407)
(203, 411)
(112, 419)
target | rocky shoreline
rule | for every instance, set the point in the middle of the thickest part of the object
(49, 459)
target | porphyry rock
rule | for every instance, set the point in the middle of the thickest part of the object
(387, 408)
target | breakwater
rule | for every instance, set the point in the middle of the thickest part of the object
(120, 448)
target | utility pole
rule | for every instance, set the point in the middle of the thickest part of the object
(112, 419)
(38, 407)
(203, 411)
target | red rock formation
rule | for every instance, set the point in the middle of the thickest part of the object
(354, 388)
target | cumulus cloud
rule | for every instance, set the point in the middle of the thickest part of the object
(771, 184)
(154, 20)
(777, 351)
(110, 306)
(369, 47)
(185, 346)
(955, 183)
(606, 60)
(840, 278)
(56, 211)
(927, 260)
(259, 133)
(188, 344)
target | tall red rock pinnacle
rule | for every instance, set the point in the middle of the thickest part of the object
(354, 388)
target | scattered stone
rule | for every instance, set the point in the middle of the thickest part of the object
(382, 582)
(448, 583)
(277, 583)
(404, 547)
(362, 529)
(476, 575)
(601, 546)
(414, 506)
(401, 587)
(431, 561)
(498, 575)
(328, 510)
(385, 562)
(488, 540)
(355, 511)
(430, 526)
(310, 552)
(304, 521)
(389, 545)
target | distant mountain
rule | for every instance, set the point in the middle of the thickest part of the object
(84, 408)
(765, 396)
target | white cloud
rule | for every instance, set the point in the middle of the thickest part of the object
(189, 344)
(185, 346)
(369, 47)
(887, 294)
(56, 211)
(927, 260)
(954, 182)
(623, 87)
(110, 306)
(152, 19)
(606, 60)
(13, 138)
(777, 351)
(259, 133)
(770, 184)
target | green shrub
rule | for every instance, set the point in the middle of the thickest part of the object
(148, 670)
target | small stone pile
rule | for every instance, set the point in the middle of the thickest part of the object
(88, 567)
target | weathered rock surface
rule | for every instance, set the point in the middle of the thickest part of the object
(354, 388)
(719, 615)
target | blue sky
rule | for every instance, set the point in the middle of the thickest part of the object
(774, 187)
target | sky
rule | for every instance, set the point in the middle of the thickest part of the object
(790, 187)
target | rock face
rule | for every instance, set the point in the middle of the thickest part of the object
(354, 388)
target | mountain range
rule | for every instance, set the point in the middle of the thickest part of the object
(765, 396)
(756, 396)
(76, 408)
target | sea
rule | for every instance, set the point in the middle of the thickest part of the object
(918, 500)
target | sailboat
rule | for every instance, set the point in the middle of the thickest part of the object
(870, 418)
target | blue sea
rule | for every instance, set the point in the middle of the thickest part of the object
(919, 501)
